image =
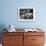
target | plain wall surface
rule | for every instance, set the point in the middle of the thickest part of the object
(8, 13)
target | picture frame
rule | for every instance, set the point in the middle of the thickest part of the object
(26, 14)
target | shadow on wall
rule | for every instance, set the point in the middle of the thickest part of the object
(2, 26)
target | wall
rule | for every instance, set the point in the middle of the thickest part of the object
(8, 13)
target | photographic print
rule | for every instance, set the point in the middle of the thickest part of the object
(26, 14)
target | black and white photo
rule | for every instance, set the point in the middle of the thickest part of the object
(26, 14)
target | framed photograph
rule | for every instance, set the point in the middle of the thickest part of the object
(26, 14)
